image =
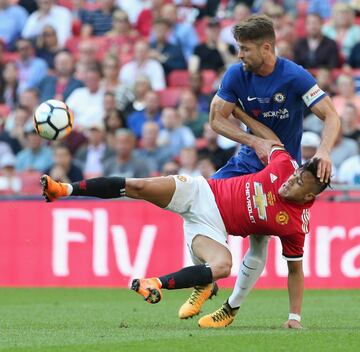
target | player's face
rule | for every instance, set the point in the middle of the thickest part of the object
(298, 187)
(251, 56)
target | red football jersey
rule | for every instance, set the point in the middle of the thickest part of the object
(250, 204)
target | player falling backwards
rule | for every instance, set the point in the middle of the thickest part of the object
(274, 201)
(273, 90)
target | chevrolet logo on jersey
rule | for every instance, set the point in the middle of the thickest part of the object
(260, 200)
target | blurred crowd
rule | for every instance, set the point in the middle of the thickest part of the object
(139, 76)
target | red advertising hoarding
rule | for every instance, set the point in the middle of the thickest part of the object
(108, 243)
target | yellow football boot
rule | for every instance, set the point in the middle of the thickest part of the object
(197, 298)
(221, 318)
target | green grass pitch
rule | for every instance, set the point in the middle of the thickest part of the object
(118, 320)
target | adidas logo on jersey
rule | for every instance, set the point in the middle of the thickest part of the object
(273, 177)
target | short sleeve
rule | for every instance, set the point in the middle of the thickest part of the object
(293, 247)
(307, 87)
(226, 90)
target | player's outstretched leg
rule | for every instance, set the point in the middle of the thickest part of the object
(157, 190)
(197, 298)
(101, 187)
(51, 190)
(221, 318)
(150, 289)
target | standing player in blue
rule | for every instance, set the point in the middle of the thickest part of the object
(272, 90)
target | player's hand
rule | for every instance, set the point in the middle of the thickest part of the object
(292, 324)
(263, 148)
(324, 167)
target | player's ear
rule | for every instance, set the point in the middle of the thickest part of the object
(309, 197)
(267, 46)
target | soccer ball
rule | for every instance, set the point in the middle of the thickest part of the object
(53, 120)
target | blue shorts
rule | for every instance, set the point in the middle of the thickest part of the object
(234, 167)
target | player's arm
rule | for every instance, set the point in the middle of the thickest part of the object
(220, 111)
(258, 128)
(295, 291)
(219, 118)
(325, 110)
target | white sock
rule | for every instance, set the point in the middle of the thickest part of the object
(250, 269)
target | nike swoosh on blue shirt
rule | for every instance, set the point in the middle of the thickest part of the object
(250, 99)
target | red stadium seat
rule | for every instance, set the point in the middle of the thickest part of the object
(209, 77)
(300, 28)
(30, 182)
(72, 44)
(10, 56)
(179, 78)
(169, 97)
(4, 111)
(200, 27)
(302, 8)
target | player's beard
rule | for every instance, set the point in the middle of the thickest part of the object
(255, 65)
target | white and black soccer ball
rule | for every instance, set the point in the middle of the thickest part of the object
(53, 119)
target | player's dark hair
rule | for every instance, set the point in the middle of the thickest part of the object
(257, 28)
(312, 166)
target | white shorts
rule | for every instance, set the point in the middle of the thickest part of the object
(195, 202)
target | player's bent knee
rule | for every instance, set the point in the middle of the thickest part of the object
(221, 269)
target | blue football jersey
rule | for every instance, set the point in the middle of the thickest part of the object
(276, 100)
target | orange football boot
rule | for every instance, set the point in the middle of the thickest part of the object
(52, 190)
(150, 289)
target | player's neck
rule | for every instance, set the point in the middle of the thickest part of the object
(294, 201)
(268, 67)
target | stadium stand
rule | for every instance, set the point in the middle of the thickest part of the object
(94, 49)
